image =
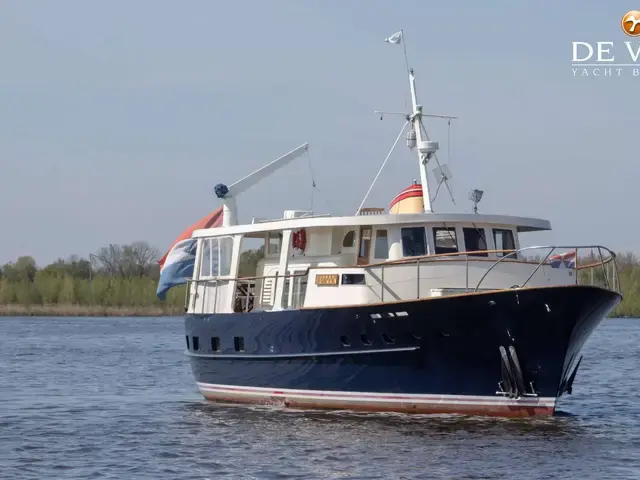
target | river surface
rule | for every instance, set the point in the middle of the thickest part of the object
(114, 398)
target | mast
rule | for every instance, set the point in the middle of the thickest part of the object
(426, 148)
(416, 136)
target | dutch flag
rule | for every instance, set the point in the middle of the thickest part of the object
(568, 260)
(176, 267)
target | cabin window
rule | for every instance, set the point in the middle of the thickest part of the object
(225, 251)
(349, 238)
(299, 289)
(353, 279)
(474, 240)
(216, 256)
(205, 259)
(504, 240)
(381, 247)
(414, 241)
(444, 239)
(274, 243)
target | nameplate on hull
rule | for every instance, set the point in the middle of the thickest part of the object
(327, 279)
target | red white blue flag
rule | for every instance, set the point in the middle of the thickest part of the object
(567, 259)
(176, 267)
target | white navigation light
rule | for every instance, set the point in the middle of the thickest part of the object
(411, 139)
(475, 196)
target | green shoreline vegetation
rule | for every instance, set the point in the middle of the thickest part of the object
(118, 280)
(121, 280)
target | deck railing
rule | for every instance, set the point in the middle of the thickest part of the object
(601, 266)
(245, 296)
(597, 268)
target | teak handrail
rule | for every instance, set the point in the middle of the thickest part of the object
(421, 258)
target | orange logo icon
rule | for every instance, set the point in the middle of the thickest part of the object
(631, 23)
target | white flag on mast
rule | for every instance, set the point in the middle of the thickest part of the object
(396, 38)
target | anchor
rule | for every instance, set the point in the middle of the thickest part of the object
(513, 384)
(508, 384)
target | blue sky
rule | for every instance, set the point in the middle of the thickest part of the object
(118, 118)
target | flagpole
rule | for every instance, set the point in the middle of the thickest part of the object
(404, 47)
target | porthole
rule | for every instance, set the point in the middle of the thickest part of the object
(388, 338)
(365, 340)
(345, 340)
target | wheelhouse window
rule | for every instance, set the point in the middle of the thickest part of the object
(381, 247)
(475, 239)
(414, 241)
(299, 289)
(216, 257)
(349, 239)
(444, 239)
(504, 240)
(274, 243)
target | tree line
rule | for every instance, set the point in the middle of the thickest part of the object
(124, 278)
(117, 278)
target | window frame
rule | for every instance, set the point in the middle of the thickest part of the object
(455, 240)
(267, 248)
(483, 235)
(207, 245)
(513, 240)
(349, 277)
(353, 239)
(425, 240)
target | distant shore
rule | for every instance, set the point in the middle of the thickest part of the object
(14, 310)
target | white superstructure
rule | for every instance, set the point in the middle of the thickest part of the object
(314, 261)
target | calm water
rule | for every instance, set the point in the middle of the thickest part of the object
(114, 398)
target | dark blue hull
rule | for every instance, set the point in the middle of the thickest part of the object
(505, 353)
